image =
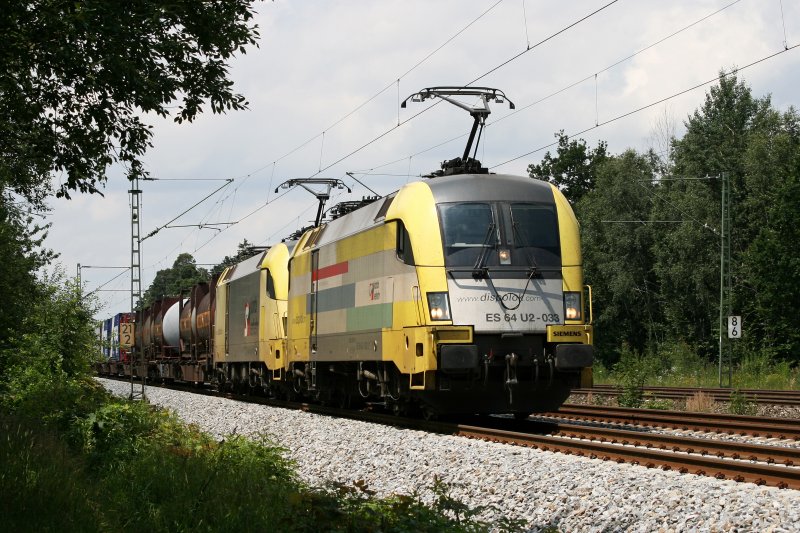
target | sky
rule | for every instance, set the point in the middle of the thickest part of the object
(324, 87)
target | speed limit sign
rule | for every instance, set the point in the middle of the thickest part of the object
(734, 327)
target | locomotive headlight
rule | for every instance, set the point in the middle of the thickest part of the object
(505, 256)
(572, 305)
(439, 305)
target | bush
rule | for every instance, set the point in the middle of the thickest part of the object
(661, 404)
(741, 405)
(47, 360)
(632, 371)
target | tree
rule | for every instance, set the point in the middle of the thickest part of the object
(617, 241)
(171, 281)
(244, 250)
(20, 247)
(768, 285)
(574, 167)
(75, 77)
(743, 137)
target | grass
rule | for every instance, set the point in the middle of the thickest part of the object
(122, 466)
(43, 487)
(700, 402)
(678, 366)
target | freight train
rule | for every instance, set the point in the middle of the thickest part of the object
(459, 294)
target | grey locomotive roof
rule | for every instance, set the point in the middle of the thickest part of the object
(350, 223)
(456, 188)
(489, 187)
(248, 266)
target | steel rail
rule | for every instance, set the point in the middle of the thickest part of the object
(781, 428)
(720, 448)
(777, 397)
(758, 473)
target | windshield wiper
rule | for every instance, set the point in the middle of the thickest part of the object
(479, 270)
(534, 266)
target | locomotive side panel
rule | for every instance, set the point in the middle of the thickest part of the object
(242, 322)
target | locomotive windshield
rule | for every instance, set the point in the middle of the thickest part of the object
(526, 232)
(534, 230)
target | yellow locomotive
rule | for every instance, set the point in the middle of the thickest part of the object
(461, 294)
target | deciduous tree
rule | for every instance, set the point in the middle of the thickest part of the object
(77, 77)
(574, 167)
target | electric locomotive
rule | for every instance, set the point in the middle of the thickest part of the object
(250, 322)
(460, 294)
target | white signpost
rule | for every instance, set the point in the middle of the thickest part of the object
(734, 327)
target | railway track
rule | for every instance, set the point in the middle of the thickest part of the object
(780, 428)
(688, 463)
(759, 464)
(776, 397)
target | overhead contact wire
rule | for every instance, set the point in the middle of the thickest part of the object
(660, 101)
(570, 86)
(356, 109)
(504, 63)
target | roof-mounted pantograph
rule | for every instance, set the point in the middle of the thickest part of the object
(465, 164)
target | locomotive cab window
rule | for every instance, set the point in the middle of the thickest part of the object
(468, 229)
(270, 286)
(404, 251)
(534, 231)
(500, 234)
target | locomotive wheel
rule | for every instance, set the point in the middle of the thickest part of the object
(399, 407)
(429, 414)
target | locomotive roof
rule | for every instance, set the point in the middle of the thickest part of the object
(489, 187)
(455, 188)
(248, 266)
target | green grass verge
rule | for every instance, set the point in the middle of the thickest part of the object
(104, 464)
(678, 366)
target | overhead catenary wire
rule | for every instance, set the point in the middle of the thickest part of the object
(651, 104)
(215, 191)
(395, 82)
(783, 21)
(521, 108)
(101, 287)
(493, 69)
(401, 123)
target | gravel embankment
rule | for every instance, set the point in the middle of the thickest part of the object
(546, 489)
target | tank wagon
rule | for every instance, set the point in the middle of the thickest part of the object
(196, 331)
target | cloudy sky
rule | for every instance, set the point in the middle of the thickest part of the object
(324, 88)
